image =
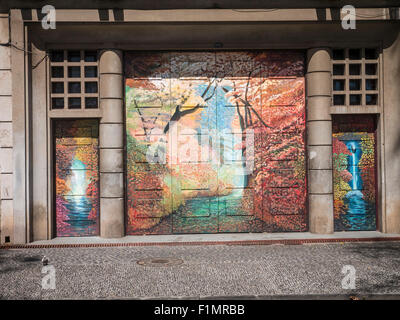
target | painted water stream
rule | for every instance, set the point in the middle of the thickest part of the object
(359, 211)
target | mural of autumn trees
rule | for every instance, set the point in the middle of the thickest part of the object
(196, 122)
(354, 174)
(76, 187)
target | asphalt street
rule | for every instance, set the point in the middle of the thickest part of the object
(197, 272)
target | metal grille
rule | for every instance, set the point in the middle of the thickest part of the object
(355, 77)
(74, 79)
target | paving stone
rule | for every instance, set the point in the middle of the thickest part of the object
(218, 271)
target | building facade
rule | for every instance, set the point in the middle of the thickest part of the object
(187, 119)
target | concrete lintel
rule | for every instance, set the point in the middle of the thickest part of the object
(130, 14)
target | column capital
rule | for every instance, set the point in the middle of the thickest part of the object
(111, 61)
(319, 60)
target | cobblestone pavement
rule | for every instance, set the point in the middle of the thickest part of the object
(206, 271)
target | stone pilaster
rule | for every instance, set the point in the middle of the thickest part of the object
(6, 136)
(319, 140)
(390, 171)
(111, 145)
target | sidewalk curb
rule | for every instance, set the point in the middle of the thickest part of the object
(200, 243)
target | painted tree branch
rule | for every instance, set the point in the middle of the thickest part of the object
(178, 113)
(141, 118)
(247, 104)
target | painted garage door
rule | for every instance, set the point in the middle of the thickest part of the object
(354, 173)
(76, 177)
(215, 142)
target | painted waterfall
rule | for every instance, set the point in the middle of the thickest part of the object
(354, 181)
(76, 156)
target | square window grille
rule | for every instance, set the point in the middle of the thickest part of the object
(74, 79)
(355, 77)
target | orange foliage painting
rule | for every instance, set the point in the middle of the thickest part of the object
(215, 142)
(76, 153)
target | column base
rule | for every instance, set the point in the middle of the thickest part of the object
(321, 213)
(112, 218)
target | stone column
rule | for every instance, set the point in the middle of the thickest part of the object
(319, 140)
(111, 145)
(389, 147)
